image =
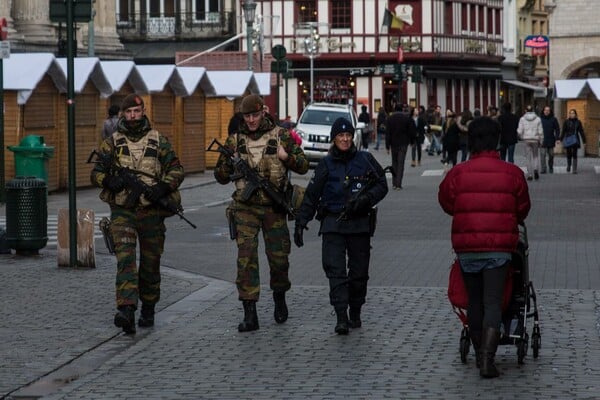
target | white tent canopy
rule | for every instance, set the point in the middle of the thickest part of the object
(157, 77)
(263, 79)
(194, 77)
(84, 69)
(569, 88)
(120, 72)
(233, 83)
(24, 71)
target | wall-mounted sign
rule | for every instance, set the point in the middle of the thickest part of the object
(539, 52)
(537, 41)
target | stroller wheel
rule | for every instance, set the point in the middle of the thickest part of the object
(536, 343)
(522, 348)
(465, 343)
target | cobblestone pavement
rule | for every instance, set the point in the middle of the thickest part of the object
(57, 340)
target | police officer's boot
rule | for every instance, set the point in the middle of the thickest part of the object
(489, 344)
(250, 322)
(355, 321)
(146, 319)
(341, 328)
(281, 310)
(125, 319)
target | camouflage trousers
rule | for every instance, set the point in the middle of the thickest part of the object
(249, 220)
(127, 228)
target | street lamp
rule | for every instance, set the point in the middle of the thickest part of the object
(311, 50)
(249, 7)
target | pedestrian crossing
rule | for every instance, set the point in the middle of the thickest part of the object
(52, 228)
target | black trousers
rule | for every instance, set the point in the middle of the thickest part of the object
(485, 290)
(347, 281)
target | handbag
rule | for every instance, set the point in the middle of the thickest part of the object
(457, 291)
(570, 140)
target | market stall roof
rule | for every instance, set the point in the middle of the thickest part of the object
(594, 85)
(158, 77)
(569, 88)
(85, 69)
(538, 91)
(24, 71)
(194, 77)
(233, 84)
(120, 72)
(263, 79)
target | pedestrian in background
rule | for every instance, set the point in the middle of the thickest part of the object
(572, 130)
(399, 133)
(531, 132)
(272, 152)
(451, 139)
(487, 199)
(147, 153)
(381, 119)
(509, 122)
(551, 129)
(110, 124)
(365, 117)
(435, 127)
(463, 121)
(342, 192)
(417, 144)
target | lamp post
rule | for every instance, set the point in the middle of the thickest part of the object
(311, 50)
(249, 7)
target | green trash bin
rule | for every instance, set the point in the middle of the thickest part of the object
(31, 157)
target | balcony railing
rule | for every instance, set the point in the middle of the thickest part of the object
(180, 26)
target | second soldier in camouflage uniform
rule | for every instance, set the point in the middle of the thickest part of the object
(271, 151)
(140, 148)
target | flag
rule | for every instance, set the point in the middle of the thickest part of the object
(390, 21)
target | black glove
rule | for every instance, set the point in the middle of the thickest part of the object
(359, 206)
(114, 183)
(158, 191)
(299, 235)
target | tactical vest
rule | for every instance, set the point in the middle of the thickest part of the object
(261, 154)
(343, 180)
(141, 157)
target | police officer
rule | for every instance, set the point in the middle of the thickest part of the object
(271, 151)
(342, 192)
(149, 155)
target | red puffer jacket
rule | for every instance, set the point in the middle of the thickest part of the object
(487, 198)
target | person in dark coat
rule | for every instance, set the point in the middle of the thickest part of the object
(509, 137)
(572, 126)
(342, 192)
(551, 129)
(381, 118)
(421, 128)
(365, 117)
(487, 199)
(399, 133)
(451, 138)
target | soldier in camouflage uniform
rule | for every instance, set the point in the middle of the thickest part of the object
(140, 148)
(271, 151)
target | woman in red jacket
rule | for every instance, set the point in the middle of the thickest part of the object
(487, 198)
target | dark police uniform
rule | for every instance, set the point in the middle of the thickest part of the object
(338, 180)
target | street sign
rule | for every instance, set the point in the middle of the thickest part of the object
(3, 29)
(280, 66)
(388, 69)
(4, 49)
(82, 10)
(279, 52)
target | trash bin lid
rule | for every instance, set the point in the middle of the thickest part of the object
(34, 144)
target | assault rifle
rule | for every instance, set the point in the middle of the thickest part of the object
(134, 185)
(253, 180)
(372, 178)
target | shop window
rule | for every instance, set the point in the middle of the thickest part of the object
(341, 14)
(334, 90)
(306, 11)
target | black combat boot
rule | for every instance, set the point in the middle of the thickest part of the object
(125, 319)
(250, 322)
(146, 319)
(281, 310)
(476, 341)
(341, 328)
(355, 321)
(489, 344)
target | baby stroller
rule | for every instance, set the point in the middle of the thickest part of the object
(519, 305)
